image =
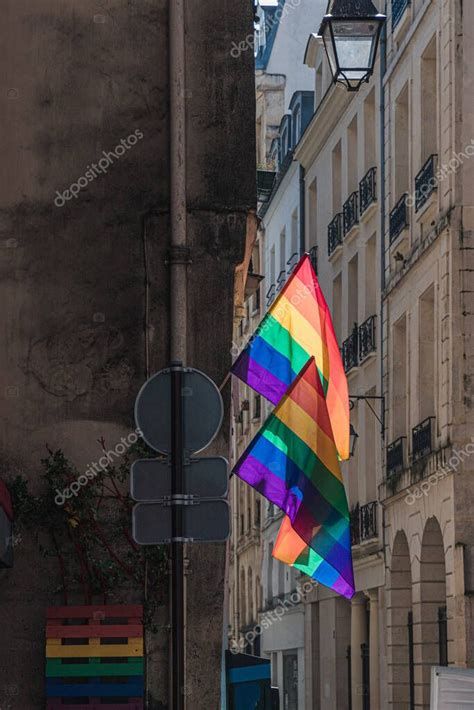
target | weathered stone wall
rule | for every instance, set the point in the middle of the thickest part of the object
(76, 276)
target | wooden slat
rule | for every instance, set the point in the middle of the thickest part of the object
(56, 688)
(55, 649)
(134, 611)
(55, 668)
(94, 631)
(96, 704)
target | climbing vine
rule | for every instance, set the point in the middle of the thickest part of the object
(89, 532)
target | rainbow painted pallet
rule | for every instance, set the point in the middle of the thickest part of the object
(94, 658)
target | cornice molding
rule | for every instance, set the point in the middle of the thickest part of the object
(327, 117)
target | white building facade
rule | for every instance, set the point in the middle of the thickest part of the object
(377, 186)
(340, 157)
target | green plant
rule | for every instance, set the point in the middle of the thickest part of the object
(89, 534)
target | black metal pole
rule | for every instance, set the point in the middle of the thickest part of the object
(177, 556)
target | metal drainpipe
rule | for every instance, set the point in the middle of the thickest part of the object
(178, 260)
(302, 212)
(383, 67)
(178, 252)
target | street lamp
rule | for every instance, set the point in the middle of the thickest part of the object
(351, 30)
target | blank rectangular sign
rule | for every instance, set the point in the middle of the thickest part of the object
(150, 479)
(208, 521)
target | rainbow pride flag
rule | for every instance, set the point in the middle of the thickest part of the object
(293, 462)
(298, 326)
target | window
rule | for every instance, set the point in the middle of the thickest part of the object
(256, 299)
(269, 590)
(296, 124)
(294, 233)
(399, 376)
(353, 293)
(258, 593)
(312, 212)
(251, 615)
(336, 179)
(242, 599)
(337, 305)
(352, 164)
(272, 265)
(257, 407)
(402, 183)
(370, 132)
(426, 354)
(282, 274)
(370, 278)
(281, 578)
(398, 10)
(257, 512)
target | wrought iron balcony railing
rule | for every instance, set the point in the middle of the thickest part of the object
(422, 439)
(291, 263)
(426, 182)
(281, 278)
(350, 350)
(367, 190)
(354, 520)
(398, 8)
(367, 338)
(313, 255)
(350, 211)
(399, 218)
(395, 456)
(335, 233)
(270, 295)
(368, 520)
(363, 522)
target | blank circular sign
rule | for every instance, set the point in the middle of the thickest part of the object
(203, 411)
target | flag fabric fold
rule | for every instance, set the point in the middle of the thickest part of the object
(293, 462)
(298, 326)
(291, 549)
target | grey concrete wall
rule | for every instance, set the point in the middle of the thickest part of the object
(79, 77)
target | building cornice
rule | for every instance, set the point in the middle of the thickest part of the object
(328, 115)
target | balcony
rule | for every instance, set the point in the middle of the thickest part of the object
(426, 182)
(335, 233)
(291, 263)
(367, 190)
(350, 350)
(399, 218)
(350, 212)
(395, 457)
(398, 9)
(422, 439)
(363, 522)
(367, 338)
(313, 257)
(270, 295)
(281, 278)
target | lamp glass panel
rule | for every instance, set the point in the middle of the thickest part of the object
(355, 43)
(330, 49)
